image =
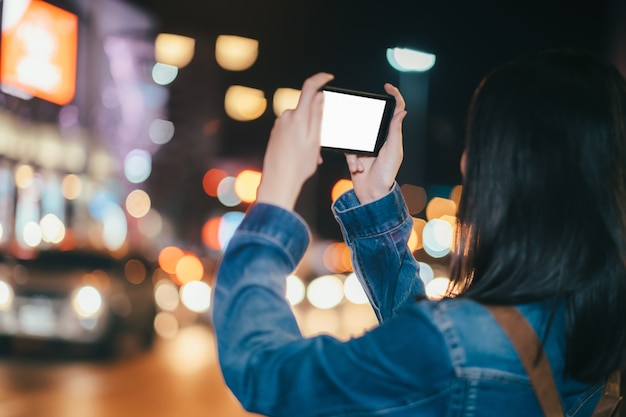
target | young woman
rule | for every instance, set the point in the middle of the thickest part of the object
(541, 226)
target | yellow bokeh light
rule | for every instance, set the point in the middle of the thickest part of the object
(189, 268)
(138, 203)
(285, 99)
(71, 186)
(438, 207)
(236, 53)
(455, 194)
(244, 103)
(174, 49)
(24, 176)
(418, 230)
(340, 187)
(246, 185)
(169, 257)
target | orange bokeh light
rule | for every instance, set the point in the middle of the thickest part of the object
(169, 257)
(340, 187)
(210, 233)
(416, 241)
(246, 185)
(189, 268)
(211, 180)
(336, 257)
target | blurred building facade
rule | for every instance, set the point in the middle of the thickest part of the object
(69, 163)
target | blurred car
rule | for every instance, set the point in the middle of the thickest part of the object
(75, 302)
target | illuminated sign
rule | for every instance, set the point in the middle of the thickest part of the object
(38, 51)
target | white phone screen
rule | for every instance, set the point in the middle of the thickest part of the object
(351, 121)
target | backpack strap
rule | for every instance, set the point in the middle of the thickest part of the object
(537, 366)
(610, 402)
(532, 355)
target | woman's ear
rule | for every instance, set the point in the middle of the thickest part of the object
(463, 161)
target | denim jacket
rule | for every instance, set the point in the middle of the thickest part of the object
(426, 358)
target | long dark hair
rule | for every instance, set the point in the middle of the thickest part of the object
(542, 215)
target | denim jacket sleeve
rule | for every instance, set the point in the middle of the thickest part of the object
(273, 370)
(377, 233)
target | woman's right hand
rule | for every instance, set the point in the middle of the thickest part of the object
(373, 177)
(293, 149)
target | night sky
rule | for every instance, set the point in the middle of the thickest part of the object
(349, 39)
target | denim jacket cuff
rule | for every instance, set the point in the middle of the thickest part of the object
(283, 228)
(363, 220)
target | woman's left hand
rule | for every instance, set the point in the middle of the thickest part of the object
(373, 177)
(293, 150)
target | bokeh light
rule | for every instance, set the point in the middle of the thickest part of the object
(405, 59)
(340, 187)
(71, 186)
(438, 207)
(115, 227)
(189, 268)
(246, 185)
(226, 192)
(437, 288)
(164, 74)
(166, 295)
(138, 203)
(295, 290)
(211, 180)
(285, 99)
(415, 198)
(236, 53)
(353, 290)
(173, 49)
(455, 194)
(418, 228)
(31, 234)
(229, 223)
(210, 233)
(52, 229)
(244, 103)
(161, 131)
(135, 271)
(437, 237)
(325, 292)
(24, 176)
(166, 325)
(137, 165)
(337, 257)
(196, 296)
(426, 272)
(169, 257)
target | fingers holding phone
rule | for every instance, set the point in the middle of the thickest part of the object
(373, 177)
(293, 150)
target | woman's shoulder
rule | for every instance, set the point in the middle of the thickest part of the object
(475, 339)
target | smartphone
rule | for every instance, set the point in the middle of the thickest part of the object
(355, 121)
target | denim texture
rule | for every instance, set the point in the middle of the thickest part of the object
(427, 358)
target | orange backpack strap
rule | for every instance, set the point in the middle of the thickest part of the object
(527, 346)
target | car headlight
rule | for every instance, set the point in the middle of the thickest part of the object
(6, 296)
(87, 302)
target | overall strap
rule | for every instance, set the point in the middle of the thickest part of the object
(527, 345)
